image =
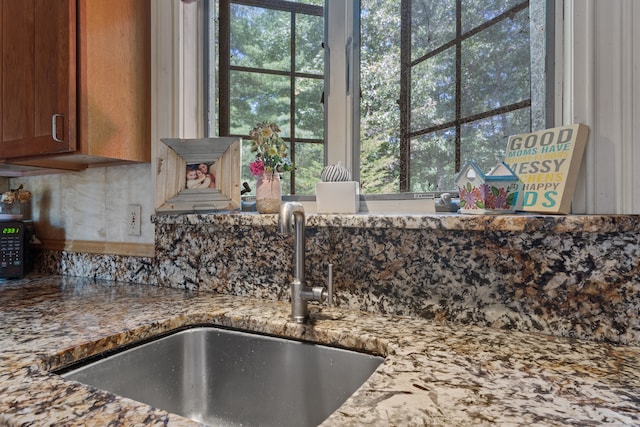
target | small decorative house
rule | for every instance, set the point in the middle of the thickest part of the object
(491, 193)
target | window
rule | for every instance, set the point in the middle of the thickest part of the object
(272, 69)
(441, 81)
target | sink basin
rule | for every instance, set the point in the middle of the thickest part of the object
(226, 377)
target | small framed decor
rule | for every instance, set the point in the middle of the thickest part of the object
(547, 163)
(209, 171)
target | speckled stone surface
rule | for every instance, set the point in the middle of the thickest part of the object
(433, 374)
(441, 221)
(97, 266)
(570, 275)
(575, 276)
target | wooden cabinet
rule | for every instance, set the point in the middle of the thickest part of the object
(75, 83)
(37, 71)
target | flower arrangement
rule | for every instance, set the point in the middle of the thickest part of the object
(270, 149)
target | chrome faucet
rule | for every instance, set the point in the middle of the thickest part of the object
(291, 220)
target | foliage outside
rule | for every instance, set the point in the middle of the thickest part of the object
(495, 73)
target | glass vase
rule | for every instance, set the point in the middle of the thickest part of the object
(268, 193)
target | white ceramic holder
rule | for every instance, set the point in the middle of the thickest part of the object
(338, 197)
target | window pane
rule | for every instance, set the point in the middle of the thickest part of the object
(485, 141)
(432, 162)
(313, 2)
(495, 66)
(254, 43)
(433, 91)
(257, 98)
(433, 23)
(379, 166)
(475, 12)
(309, 115)
(309, 162)
(309, 52)
(380, 92)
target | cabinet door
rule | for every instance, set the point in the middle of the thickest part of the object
(38, 82)
(114, 89)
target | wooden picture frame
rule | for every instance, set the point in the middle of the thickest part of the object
(221, 153)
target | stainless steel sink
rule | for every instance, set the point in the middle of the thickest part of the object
(230, 378)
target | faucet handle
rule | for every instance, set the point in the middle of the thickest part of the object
(320, 293)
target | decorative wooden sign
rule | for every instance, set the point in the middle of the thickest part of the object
(547, 163)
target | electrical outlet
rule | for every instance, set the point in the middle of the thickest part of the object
(134, 220)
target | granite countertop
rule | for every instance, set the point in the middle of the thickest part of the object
(433, 374)
(522, 222)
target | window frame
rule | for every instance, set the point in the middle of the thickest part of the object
(341, 94)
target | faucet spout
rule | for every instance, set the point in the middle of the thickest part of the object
(291, 220)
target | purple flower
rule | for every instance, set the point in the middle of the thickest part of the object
(468, 197)
(501, 200)
(485, 191)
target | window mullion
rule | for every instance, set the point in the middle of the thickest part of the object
(341, 130)
(469, 119)
(292, 101)
(405, 95)
(458, 95)
(224, 107)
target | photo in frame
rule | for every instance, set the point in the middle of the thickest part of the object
(201, 175)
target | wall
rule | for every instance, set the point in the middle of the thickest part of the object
(4, 184)
(91, 206)
(601, 75)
